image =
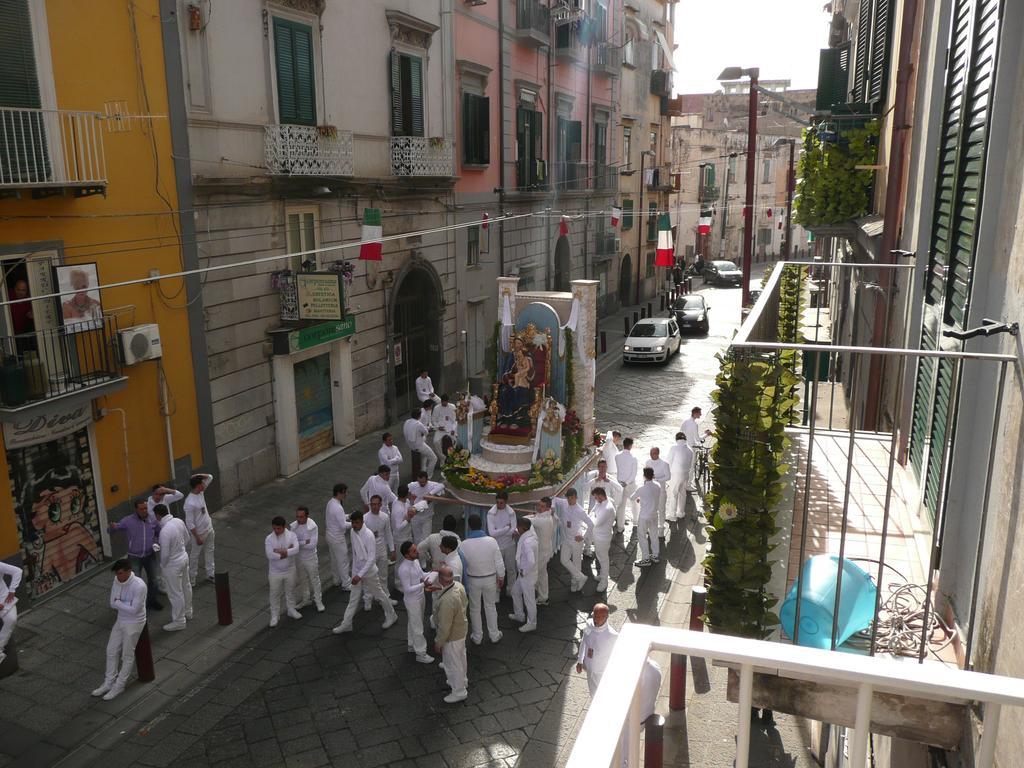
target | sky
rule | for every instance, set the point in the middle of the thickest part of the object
(782, 38)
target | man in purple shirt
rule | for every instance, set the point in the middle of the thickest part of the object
(143, 531)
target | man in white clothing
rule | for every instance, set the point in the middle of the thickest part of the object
(338, 526)
(524, 592)
(501, 526)
(450, 555)
(380, 485)
(647, 497)
(691, 432)
(8, 603)
(449, 616)
(483, 577)
(128, 598)
(422, 490)
(612, 446)
(415, 433)
(662, 476)
(431, 554)
(402, 513)
(200, 527)
(282, 549)
(599, 478)
(174, 566)
(163, 495)
(676, 490)
(425, 387)
(442, 420)
(573, 525)
(308, 566)
(604, 526)
(364, 577)
(411, 579)
(389, 455)
(625, 473)
(596, 647)
(544, 527)
(380, 526)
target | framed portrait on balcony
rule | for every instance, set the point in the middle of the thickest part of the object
(80, 306)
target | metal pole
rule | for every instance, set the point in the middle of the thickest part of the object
(725, 206)
(939, 506)
(862, 727)
(748, 213)
(743, 735)
(984, 517)
(846, 497)
(677, 682)
(987, 748)
(640, 226)
(790, 179)
(807, 499)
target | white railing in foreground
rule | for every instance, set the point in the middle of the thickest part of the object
(51, 147)
(617, 701)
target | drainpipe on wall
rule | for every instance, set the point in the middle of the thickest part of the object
(501, 138)
(588, 267)
(552, 116)
(895, 198)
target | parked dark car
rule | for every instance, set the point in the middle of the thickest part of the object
(692, 313)
(722, 273)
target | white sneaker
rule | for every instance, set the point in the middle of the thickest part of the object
(476, 640)
(188, 615)
(172, 627)
(389, 622)
(342, 629)
(293, 614)
(455, 697)
(116, 690)
(102, 689)
(423, 658)
(301, 604)
(515, 617)
(273, 621)
(528, 628)
(320, 607)
(497, 639)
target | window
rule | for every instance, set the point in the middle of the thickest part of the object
(627, 214)
(406, 95)
(472, 246)
(650, 264)
(601, 180)
(629, 51)
(476, 129)
(293, 60)
(302, 234)
(652, 222)
(627, 146)
(570, 147)
(530, 166)
(732, 170)
(654, 141)
(764, 236)
(478, 336)
(766, 171)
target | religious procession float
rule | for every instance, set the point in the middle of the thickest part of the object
(535, 436)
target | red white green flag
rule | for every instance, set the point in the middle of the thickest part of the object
(372, 248)
(616, 215)
(704, 225)
(663, 256)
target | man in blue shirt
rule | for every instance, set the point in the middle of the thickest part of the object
(143, 531)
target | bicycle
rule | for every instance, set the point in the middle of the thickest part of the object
(702, 469)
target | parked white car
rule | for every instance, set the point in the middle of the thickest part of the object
(652, 340)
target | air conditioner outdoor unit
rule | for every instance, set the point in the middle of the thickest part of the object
(140, 343)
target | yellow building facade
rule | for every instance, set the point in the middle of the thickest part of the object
(98, 390)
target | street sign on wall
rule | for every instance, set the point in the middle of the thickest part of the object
(321, 296)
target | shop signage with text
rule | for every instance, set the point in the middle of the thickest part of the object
(304, 338)
(321, 296)
(43, 428)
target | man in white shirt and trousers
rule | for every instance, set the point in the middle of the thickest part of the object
(379, 484)
(483, 577)
(174, 566)
(691, 432)
(596, 647)
(308, 565)
(544, 524)
(524, 592)
(501, 526)
(411, 577)
(573, 525)
(604, 527)
(647, 497)
(610, 449)
(421, 490)
(429, 548)
(338, 526)
(599, 478)
(281, 548)
(128, 598)
(379, 524)
(415, 433)
(162, 495)
(443, 422)
(8, 603)
(200, 527)
(425, 387)
(625, 473)
(389, 455)
(364, 577)
(662, 476)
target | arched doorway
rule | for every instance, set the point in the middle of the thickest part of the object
(626, 281)
(416, 333)
(561, 282)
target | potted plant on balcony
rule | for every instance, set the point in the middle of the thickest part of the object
(328, 131)
(437, 143)
(830, 188)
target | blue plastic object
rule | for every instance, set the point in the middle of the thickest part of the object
(856, 606)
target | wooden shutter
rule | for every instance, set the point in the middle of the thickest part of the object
(296, 89)
(416, 95)
(25, 156)
(522, 148)
(881, 32)
(652, 222)
(395, 75)
(833, 77)
(862, 60)
(627, 214)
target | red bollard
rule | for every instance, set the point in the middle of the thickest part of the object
(144, 658)
(677, 683)
(223, 587)
(698, 598)
(654, 741)
(604, 342)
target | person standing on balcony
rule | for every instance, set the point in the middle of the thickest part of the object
(143, 530)
(524, 593)
(662, 476)
(174, 564)
(573, 526)
(307, 579)
(338, 526)
(483, 576)
(501, 526)
(389, 455)
(415, 433)
(128, 598)
(200, 527)
(596, 646)
(8, 601)
(450, 641)
(625, 473)
(425, 387)
(364, 577)
(647, 497)
(544, 525)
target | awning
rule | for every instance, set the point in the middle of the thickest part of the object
(666, 48)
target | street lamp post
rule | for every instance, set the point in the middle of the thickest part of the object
(735, 73)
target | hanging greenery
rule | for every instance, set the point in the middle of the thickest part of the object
(755, 395)
(829, 189)
(570, 383)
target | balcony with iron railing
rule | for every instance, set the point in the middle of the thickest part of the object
(307, 150)
(608, 59)
(531, 175)
(606, 245)
(533, 22)
(51, 152)
(568, 43)
(572, 176)
(662, 179)
(708, 193)
(661, 82)
(422, 156)
(58, 363)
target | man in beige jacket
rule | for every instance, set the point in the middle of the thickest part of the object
(450, 641)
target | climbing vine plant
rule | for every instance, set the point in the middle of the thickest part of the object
(829, 189)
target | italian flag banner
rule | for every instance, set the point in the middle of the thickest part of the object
(372, 248)
(704, 225)
(616, 215)
(663, 256)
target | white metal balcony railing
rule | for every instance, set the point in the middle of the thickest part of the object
(42, 148)
(616, 708)
(306, 150)
(422, 156)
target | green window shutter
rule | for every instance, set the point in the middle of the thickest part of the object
(862, 60)
(24, 153)
(881, 32)
(627, 214)
(416, 95)
(522, 149)
(833, 77)
(575, 134)
(652, 222)
(296, 88)
(395, 75)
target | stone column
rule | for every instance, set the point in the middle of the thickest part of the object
(585, 364)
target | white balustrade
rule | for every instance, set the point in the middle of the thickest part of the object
(51, 148)
(422, 156)
(307, 150)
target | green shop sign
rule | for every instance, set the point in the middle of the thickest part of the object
(304, 338)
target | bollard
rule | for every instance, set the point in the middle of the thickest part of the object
(698, 597)
(654, 741)
(625, 326)
(636, 318)
(650, 309)
(677, 683)
(223, 587)
(643, 313)
(604, 342)
(144, 658)
(661, 303)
